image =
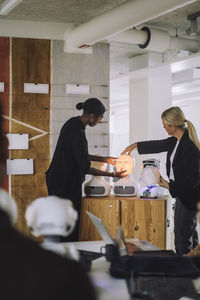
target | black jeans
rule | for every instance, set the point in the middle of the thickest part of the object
(185, 222)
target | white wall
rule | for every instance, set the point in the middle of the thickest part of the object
(150, 95)
(91, 69)
(119, 115)
(186, 94)
(192, 113)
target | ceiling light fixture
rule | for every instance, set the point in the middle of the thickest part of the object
(8, 5)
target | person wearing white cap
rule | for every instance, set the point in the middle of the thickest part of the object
(52, 218)
(29, 272)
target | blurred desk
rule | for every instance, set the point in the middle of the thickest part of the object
(107, 287)
(93, 246)
(144, 219)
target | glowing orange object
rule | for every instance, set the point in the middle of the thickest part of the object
(124, 162)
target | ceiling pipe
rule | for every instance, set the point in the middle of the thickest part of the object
(184, 44)
(129, 14)
(8, 5)
(131, 36)
(156, 40)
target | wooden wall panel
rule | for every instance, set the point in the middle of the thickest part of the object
(30, 63)
(5, 77)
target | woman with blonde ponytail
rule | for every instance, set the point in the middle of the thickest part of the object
(192, 134)
(183, 170)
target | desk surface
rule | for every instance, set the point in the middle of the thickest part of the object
(107, 287)
(93, 246)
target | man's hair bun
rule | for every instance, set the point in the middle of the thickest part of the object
(92, 106)
(80, 105)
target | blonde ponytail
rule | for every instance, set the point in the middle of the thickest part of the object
(175, 116)
(192, 134)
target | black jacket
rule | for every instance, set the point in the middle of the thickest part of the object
(28, 272)
(186, 167)
(70, 161)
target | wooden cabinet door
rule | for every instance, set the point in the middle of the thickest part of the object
(144, 220)
(105, 208)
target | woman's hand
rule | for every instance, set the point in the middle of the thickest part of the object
(111, 160)
(129, 149)
(194, 253)
(163, 183)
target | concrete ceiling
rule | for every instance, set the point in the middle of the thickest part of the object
(177, 20)
(61, 11)
(80, 11)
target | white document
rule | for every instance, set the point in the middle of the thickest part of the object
(37, 88)
(19, 166)
(1, 86)
(17, 141)
(77, 89)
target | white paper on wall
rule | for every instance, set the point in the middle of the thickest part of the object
(37, 88)
(78, 89)
(17, 141)
(1, 86)
(19, 166)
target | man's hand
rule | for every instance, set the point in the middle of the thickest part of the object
(120, 174)
(111, 160)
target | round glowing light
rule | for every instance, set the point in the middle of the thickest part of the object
(124, 162)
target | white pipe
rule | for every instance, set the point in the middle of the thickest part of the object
(158, 40)
(8, 5)
(184, 44)
(155, 40)
(121, 18)
(147, 38)
(131, 36)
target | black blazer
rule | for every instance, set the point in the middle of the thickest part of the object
(186, 167)
(70, 161)
(29, 272)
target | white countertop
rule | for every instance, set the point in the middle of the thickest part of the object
(107, 287)
(93, 246)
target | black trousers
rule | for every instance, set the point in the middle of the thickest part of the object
(73, 193)
(185, 222)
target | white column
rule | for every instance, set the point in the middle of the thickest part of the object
(150, 95)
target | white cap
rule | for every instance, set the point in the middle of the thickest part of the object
(51, 215)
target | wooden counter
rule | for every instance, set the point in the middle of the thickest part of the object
(144, 219)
